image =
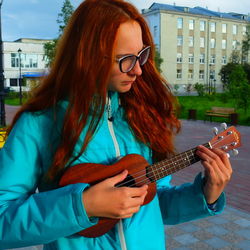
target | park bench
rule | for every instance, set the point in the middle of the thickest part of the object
(223, 112)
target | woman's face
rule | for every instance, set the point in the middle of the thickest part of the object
(128, 41)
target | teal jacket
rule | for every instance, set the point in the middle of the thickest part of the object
(32, 213)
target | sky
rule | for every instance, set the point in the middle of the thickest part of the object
(37, 18)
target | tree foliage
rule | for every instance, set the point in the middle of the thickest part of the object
(239, 87)
(62, 19)
(158, 60)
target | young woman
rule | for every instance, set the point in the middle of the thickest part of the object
(103, 99)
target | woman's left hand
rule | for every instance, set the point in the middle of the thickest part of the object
(218, 172)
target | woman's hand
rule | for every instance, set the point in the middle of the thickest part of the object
(106, 200)
(218, 172)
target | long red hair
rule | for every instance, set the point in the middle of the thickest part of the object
(80, 74)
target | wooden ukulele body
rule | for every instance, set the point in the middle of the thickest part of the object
(138, 175)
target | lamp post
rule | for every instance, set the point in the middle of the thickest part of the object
(2, 107)
(20, 76)
(209, 82)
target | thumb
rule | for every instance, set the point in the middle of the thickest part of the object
(118, 178)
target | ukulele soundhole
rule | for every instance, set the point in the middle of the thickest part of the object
(127, 182)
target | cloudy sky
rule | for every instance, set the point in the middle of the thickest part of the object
(37, 18)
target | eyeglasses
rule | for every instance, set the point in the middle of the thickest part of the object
(127, 63)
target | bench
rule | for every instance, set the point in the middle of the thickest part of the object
(228, 113)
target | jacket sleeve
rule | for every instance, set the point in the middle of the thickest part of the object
(186, 202)
(27, 217)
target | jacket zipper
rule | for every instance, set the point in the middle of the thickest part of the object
(118, 155)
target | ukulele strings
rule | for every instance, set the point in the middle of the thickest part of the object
(164, 166)
(151, 174)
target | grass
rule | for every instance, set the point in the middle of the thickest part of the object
(200, 103)
(203, 103)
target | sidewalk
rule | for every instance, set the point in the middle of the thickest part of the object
(231, 229)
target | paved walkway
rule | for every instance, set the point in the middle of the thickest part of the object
(231, 229)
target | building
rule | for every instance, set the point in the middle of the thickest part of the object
(23, 59)
(195, 42)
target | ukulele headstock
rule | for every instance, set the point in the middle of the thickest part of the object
(227, 140)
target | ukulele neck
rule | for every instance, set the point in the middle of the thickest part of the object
(174, 164)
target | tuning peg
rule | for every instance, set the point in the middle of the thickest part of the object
(215, 131)
(235, 152)
(224, 125)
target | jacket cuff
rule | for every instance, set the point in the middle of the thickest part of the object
(218, 206)
(83, 220)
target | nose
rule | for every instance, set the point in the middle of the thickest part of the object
(136, 70)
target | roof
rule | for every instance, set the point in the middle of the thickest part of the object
(199, 11)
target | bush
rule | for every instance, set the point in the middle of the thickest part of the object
(200, 89)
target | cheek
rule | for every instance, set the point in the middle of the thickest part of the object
(115, 77)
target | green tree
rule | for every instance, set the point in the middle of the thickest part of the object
(158, 60)
(239, 88)
(62, 19)
(245, 44)
(224, 73)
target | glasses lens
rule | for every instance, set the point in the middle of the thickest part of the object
(144, 56)
(128, 63)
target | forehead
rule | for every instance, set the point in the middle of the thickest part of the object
(128, 38)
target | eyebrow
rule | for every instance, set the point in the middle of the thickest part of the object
(128, 54)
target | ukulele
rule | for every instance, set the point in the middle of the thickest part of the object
(140, 173)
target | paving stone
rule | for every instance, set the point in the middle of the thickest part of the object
(189, 228)
(202, 235)
(244, 245)
(217, 243)
(244, 233)
(243, 222)
(217, 230)
(186, 239)
(218, 220)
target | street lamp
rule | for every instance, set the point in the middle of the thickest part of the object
(2, 107)
(20, 76)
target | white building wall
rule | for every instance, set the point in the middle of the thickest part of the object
(28, 47)
(169, 49)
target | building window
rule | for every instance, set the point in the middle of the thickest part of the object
(191, 24)
(190, 74)
(13, 82)
(244, 59)
(191, 41)
(27, 60)
(224, 60)
(212, 43)
(202, 25)
(224, 44)
(234, 44)
(155, 31)
(14, 60)
(224, 28)
(212, 59)
(212, 74)
(201, 74)
(179, 23)
(179, 74)
(179, 40)
(212, 27)
(202, 58)
(202, 42)
(179, 58)
(191, 58)
(235, 29)
(244, 30)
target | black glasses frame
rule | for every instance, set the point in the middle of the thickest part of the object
(137, 58)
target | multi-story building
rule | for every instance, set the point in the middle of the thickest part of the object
(23, 59)
(195, 42)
